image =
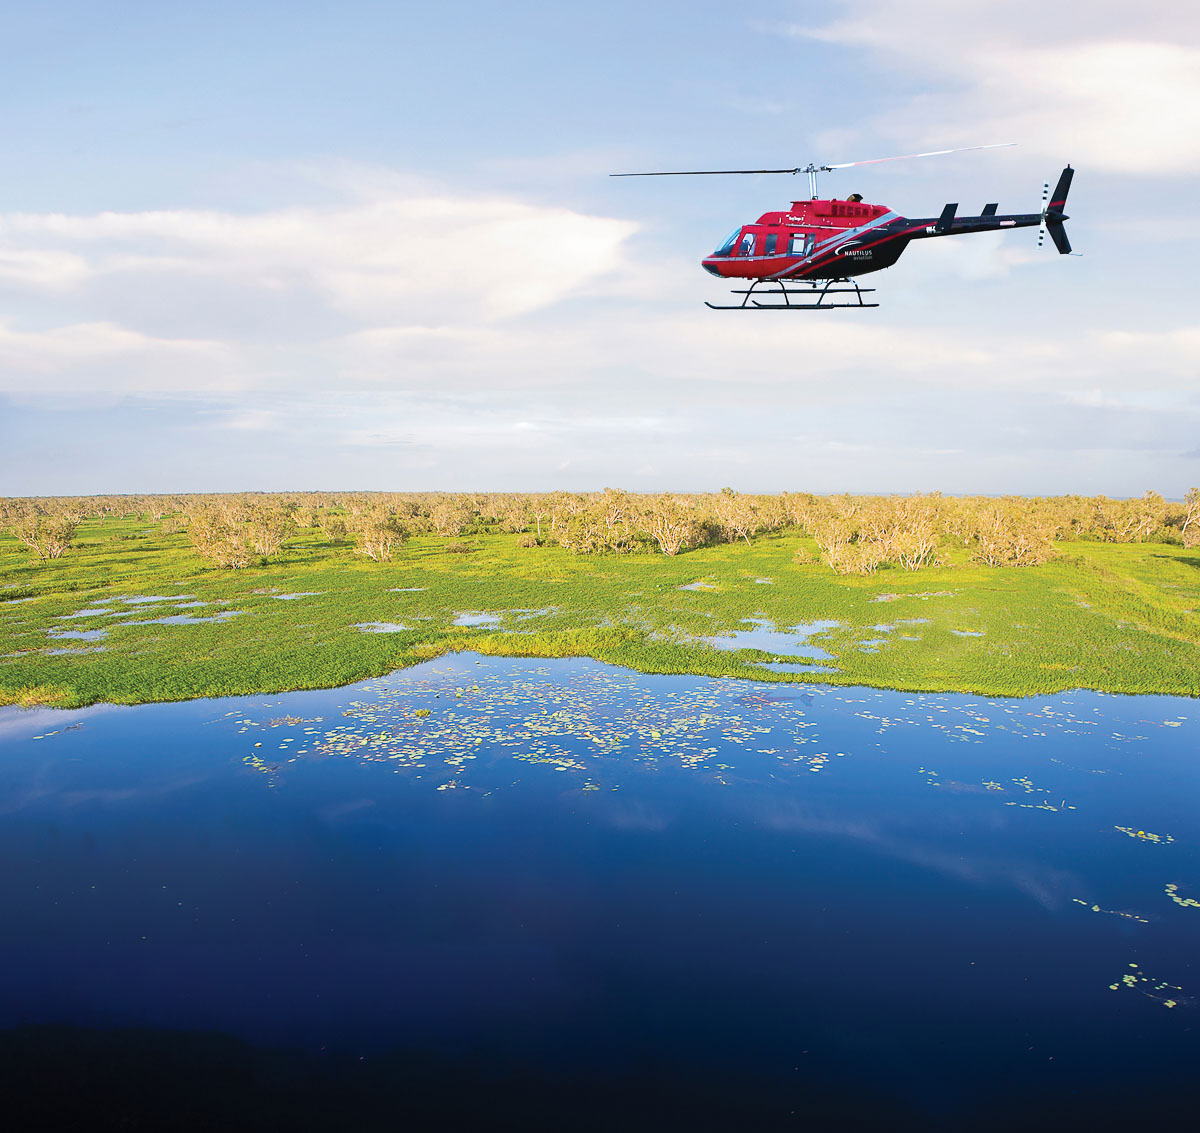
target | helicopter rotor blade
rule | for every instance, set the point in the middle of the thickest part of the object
(809, 168)
(702, 172)
(906, 156)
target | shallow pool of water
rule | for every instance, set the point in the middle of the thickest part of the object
(943, 905)
(478, 621)
(790, 642)
(148, 599)
(187, 619)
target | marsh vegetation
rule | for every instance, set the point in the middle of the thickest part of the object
(929, 592)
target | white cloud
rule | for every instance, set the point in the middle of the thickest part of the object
(1117, 89)
(73, 358)
(254, 421)
(42, 268)
(371, 260)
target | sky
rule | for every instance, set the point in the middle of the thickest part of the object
(374, 245)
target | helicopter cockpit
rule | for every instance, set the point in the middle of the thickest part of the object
(736, 244)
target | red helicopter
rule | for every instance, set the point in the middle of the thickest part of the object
(820, 245)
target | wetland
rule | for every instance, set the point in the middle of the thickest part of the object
(489, 831)
(132, 614)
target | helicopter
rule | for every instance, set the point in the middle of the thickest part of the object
(814, 249)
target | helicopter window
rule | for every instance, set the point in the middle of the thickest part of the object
(802, 244)
(727, 246)
(769, 250)
(746, 247)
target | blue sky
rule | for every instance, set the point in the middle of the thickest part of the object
(375, 245)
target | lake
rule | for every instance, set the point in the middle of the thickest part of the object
(573, 896)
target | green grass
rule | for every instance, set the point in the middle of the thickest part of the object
(1113, 617)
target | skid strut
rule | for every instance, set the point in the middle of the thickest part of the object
(778, 288)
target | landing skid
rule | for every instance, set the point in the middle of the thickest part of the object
(777, 288)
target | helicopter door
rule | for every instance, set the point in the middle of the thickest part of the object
(745, 245)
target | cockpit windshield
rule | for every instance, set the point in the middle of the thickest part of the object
(727, 246)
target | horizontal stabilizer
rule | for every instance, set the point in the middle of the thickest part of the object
(989, 210)
(946, 220)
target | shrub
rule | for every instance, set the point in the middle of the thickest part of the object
(377, 533)
(219, 535)
(48, 535)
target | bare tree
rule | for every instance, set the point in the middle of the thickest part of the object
(1010, 536)
(1191, 519)
(832, 534)
(582, 532)
(304, 516)
(737, 514)
(1150, 515)
(854, 558)
(450, 515)
(671, 522)
(267, 528)
(915, 542)
(616, 512)
(513, 513)
(47, 534)
(332, 525)
(218, 532)
(377, 532)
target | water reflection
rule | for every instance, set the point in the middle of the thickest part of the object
(586, 868)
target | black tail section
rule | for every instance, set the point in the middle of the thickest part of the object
(1054, 215)
(1058, 199)
(1059, 235)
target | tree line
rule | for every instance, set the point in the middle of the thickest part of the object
(854, 534)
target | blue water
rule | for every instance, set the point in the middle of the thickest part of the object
(593, 872)
(790, 642)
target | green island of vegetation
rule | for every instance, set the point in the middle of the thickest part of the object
(152, 598)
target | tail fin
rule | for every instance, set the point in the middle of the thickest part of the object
(1053, 214)
(1058, 199)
